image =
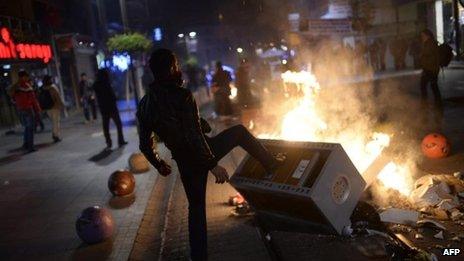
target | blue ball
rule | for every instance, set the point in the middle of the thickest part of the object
(94, 225)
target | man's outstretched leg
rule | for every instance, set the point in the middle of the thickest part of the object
(238, 135)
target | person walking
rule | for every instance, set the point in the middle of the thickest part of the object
(170, 111)
(430, 65)
(108, 108)
(27, 105)
(56, 105)
(87, 98)
(221, 90)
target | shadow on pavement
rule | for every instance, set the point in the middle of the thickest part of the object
(101, 155)
(99, 251)
(21, 151)
(122, 202)
(10, 159)
(106, 157)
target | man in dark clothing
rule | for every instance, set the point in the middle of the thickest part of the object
(108, 108)
(221, 90)
(429, 60)
(170, 111)
(87, 98)
(28, 107)
(242, 82)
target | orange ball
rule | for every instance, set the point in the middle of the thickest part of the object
(121, 183)
(435, 146)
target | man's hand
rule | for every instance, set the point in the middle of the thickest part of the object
(164, 169)
(220, 174)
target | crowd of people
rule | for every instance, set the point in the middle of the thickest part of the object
(33, 103)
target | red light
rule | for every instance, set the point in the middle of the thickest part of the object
(10, 50)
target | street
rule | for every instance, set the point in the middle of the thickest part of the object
(42, 194)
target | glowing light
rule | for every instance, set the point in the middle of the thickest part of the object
(10, 50)
(180, 35)
(285, 48)
(192, 34)
(233, 92)
(239, 50)
(157, 34)
(284, 61)
(121, 61)
(396, 177)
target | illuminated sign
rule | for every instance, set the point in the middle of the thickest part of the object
(23, 51)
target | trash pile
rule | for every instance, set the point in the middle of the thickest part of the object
(433, 211)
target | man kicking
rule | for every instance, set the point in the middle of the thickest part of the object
(170, 111)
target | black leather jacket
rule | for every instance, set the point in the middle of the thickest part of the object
(171, 113)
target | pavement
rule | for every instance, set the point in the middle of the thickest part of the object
(42, 193)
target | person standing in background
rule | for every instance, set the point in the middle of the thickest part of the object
(221, 89)
(429, 60)
(23, 95)
(54, 112)
(242, 82)
(87, 98)
(108, 108)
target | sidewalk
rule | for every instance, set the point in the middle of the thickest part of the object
(41, 194)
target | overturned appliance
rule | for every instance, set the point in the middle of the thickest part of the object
(316, 190)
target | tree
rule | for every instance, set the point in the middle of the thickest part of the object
(131, 43)
(134, 44)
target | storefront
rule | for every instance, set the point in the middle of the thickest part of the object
(33, 57)
(77, 55)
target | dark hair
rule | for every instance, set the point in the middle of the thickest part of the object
(102, 76)
(219, 64)
(47, 80)
(83, 74)
(22, 73)
(161, 62)
(428, 33)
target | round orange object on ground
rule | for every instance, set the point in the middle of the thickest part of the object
(435, 146)
(138, 163)
(121, 183)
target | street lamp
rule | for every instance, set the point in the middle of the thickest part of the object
(240, 50)
(192, 34)
(180, 35)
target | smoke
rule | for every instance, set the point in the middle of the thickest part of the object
(345, 105)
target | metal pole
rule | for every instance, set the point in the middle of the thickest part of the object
(58, 72)
(122, 5)
(457, 29)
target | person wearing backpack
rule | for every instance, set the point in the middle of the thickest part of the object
(53, 104)
(430, 64)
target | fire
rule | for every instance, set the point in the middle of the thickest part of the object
(233, 92)
(303, 122)
(396, 177)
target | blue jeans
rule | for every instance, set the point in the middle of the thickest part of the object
(28, 121)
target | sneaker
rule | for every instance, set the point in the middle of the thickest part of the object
(56, 139)
(123, 143)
